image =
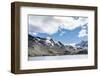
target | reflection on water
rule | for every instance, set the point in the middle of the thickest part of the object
(64, 57)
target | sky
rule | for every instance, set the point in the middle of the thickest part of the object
(66, 29)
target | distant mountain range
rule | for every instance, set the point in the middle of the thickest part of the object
(38, 46)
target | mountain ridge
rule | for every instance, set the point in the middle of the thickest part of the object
(38, 46)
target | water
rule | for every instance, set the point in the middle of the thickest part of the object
(64, 57)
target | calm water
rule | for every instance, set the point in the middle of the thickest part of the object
(64, 57)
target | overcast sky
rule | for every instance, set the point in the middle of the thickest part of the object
(68, 30)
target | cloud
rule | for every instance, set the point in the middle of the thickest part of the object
(34, 33)
(51, 24)
(62, 33)
(71, 23)
(82, 33)
(43, 24)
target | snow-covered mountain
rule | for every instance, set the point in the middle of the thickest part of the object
(44, 41)
(38, 46)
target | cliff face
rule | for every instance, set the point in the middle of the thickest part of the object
(43, 47)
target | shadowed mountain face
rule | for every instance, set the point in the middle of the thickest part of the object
(48, 47)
